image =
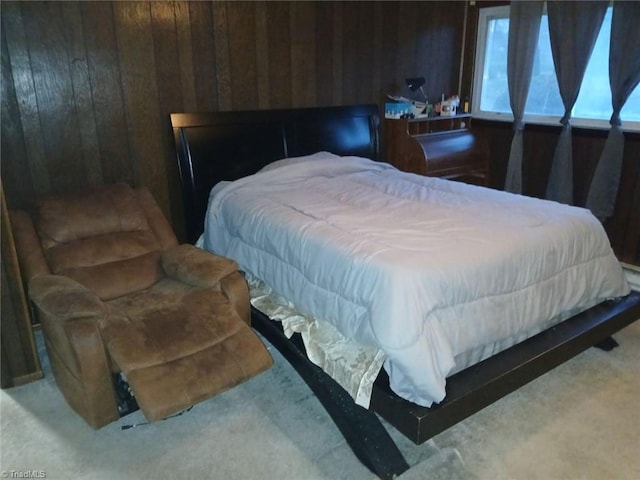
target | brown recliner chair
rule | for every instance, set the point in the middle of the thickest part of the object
(120, 301)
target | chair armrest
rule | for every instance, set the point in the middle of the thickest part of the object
(71, 317)
(196, 267)
(66, 309)
(63, 299)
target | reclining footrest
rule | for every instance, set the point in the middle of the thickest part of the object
(165, 389)
(171, 369)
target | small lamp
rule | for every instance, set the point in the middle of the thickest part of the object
(416, 84)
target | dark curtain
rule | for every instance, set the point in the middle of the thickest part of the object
(573, 29)
(624, 76)
(524, 26)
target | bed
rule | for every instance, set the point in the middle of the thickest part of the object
(312, 163)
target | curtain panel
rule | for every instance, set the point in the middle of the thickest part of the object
(573, 29)
(624, 76)
(524, 27)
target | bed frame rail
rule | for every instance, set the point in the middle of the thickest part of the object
(476, 387)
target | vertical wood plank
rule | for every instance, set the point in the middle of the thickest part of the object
(15, 360)
(185, 56)
(17, 332)
(15, 170)
(623, 227)
(406, 66)
(83, 98)
(262, 54)
(220, 29)
(241, 39)
(165, 51)
(350, 12)
(364, 61)
(23, 79)
(204, 56)
(108, 102)
(536, 163)
(427, 58)
(279, 54)
(439, 48)
(45, 31)
(169, 82)
(324, 53)
(338, 57)
(133, 27)
(390, 51)
(303, 80)
(454, 16)
(376, 61)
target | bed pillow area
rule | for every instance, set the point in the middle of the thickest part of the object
(294, 160)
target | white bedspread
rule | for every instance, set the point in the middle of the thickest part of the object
(421, 268)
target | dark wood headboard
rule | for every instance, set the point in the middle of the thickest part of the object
(216, 146)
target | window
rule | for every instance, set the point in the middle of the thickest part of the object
(544, 105)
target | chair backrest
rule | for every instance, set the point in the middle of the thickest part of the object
(109, 239)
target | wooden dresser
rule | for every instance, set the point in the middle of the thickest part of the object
(439, 147)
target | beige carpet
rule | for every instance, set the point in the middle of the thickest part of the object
(581, 421)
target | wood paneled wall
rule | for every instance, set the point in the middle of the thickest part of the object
(623, 228)
(87, 87)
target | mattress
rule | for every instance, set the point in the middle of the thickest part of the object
(425, 270)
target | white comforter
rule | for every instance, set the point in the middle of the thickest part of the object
(422, 268)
